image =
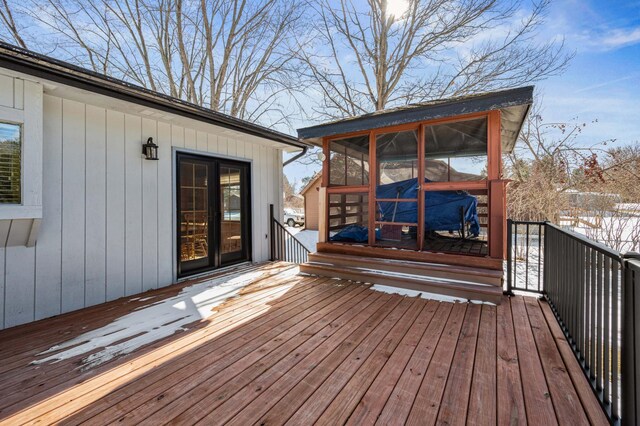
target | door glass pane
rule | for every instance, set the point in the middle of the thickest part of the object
(194, 211)
(231, 203)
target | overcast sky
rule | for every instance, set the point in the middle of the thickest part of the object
(602, 81)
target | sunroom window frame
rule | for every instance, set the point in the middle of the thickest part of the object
(494, 166)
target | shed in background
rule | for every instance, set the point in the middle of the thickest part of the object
(311, 194)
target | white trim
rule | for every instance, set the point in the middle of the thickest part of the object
(174, 214)
(210, 154)
(28, 115)
(12, 115)
(18, 211)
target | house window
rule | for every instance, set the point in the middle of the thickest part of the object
(10, 164)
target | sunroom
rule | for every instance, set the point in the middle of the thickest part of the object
(424, 178)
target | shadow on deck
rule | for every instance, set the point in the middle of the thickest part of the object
(305, 349)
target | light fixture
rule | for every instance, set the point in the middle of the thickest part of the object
(150, 150)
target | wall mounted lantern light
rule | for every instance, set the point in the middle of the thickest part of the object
(150, 150)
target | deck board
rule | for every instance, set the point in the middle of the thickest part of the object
(427, 402)
(152, 393)
(364, 339)
(510, 400)
(35, 376)
(368, 356)
(380, 373)
(537, 398)
(305, 350)
(453, 408)
(482, 399)
(567, 405)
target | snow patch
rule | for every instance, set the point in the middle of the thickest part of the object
(154, 322)
(307, 237)
(422, 294)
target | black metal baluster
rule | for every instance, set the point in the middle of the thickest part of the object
(539, 256)
(526, 257)
(615, 347)
(607, 322)
(599, 353)
(594, 316)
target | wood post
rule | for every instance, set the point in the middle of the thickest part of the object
(497, 219)
(323, 213)
(373, 182)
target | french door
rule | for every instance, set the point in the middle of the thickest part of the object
(213, 213)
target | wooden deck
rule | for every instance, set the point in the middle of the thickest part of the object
(304, 350)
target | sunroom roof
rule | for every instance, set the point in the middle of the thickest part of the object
(513, 103)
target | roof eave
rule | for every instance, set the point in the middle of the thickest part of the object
(486, 102)
(30, 63)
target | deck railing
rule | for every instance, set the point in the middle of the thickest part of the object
(284, 245)
(593, 293)
(525, 256)
(631, 339)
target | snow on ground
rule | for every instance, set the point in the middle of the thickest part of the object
(622, 229)
(307, 237)
(153, 322)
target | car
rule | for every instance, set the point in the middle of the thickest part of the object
(293, 217)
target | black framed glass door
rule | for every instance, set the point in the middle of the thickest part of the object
(213, 213)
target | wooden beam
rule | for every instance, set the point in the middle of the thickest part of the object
(455, 186)
(497, 195)
(323, 213)
(494, 146)
(497, 219)
(421, 200)
(325, 163)
(373, 181)
(397, 200)
(347, 189)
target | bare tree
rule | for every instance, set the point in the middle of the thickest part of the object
(368, 59)
(9, 24)
(233, 56)
(592, 188)
(548, 160)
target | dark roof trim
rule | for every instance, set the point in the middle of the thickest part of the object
(428, 111)
(28, 62)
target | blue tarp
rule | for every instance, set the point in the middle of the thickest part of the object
(442, 210)
(354, 233)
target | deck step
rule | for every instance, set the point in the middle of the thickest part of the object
(483, 262)
(434, 270)
(466, 290)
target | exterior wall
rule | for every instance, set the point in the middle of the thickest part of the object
(107, 227)
(311, 207)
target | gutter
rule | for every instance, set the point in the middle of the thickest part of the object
(295, 157)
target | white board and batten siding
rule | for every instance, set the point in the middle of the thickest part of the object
(21, 103)
(107, 215)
